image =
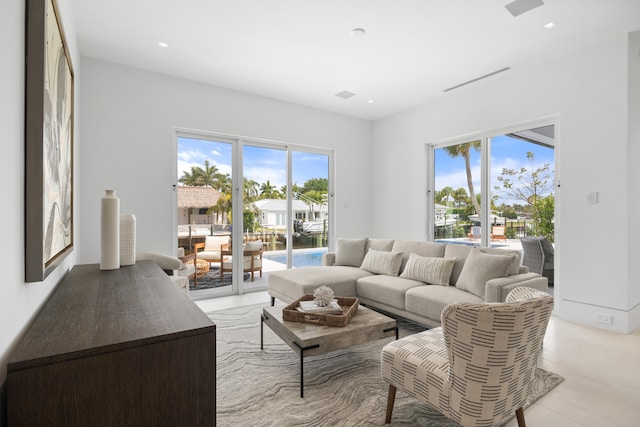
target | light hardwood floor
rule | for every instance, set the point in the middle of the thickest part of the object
(601, 371)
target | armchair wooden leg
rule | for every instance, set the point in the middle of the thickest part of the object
(520, 417)
(390, 401)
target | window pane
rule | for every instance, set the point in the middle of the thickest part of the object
(457, 186)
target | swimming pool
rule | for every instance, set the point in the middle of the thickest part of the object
(299, 259)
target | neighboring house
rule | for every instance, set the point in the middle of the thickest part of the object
(441, 217)
(273, 212)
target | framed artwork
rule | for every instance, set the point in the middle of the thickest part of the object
(49, 118)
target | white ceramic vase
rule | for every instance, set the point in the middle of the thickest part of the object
(127, 239)
(110, 231)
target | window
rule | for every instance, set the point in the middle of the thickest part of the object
(259, 185)
(494, 183)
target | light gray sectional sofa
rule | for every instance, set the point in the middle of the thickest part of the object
(411, 279)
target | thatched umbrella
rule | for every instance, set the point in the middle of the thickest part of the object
(197, 197)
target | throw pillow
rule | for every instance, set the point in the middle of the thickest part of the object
(481, 267)
(350, 252)
(435, 271)
(514, 267)
(381, 262)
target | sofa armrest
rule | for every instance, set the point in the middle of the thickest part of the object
(328, 258)
(496, 290)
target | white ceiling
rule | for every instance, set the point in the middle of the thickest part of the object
(302, 51)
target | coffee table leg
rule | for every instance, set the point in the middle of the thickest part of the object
(301, 351)
(261, 332)
(391, 329)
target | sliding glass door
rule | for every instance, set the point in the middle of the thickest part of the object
(494, 189)
(261, 206)
(456, 197)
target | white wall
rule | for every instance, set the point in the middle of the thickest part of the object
(19, 301)
(589, 92)
(128, 122)
(633, 158)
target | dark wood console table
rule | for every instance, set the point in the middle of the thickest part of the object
(125, 347)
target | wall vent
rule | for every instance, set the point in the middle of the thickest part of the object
(345, 94)
(477, 78)
(518, 7)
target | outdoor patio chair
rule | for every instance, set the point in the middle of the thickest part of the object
(479, 366)
(177, 270)
(538, 255)
(475, 233)
(498, 233)
(211, 251)
(251, 260)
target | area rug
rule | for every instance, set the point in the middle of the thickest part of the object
(212, 280)
(342, 388)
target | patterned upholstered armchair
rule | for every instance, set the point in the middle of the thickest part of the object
(479, 366)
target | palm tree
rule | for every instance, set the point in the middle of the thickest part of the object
(269, 191)
(207, 176)
(190, 178)
(464, 150)
(250, 188)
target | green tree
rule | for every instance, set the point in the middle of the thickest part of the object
(534, 187)
(190, 178)
(460, 197)
(525, 184)
(251, 190)
(269, 191)
(442, 196)
(320, 185)
(543, 214)
(464, 150)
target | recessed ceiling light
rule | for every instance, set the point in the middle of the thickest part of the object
(358, 32)
(550, 25)
(163, 45)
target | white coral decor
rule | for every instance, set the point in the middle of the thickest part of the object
(323, 295)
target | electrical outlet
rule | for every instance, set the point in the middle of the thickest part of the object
(605, 319)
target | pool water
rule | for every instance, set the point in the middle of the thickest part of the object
(300, 259)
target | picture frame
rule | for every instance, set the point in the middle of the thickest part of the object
(49, 123)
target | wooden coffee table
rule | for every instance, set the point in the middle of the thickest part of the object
(310, 340)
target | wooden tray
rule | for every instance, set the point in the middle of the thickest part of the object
(349, 307)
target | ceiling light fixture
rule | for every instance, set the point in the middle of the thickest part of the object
(163, 45)
(549, 26)
(358, 32)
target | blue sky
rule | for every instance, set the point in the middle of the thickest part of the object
(506, 152)
(260, 164)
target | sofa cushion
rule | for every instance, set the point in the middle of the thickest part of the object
(432, 270)
(350, 252)
(481, 267)
(386, 289)
(256, 245)
(460, 253)
(514, 267)
(380, 244)
(421, 248)
(289, 285)
(382, 262)
(429, 301)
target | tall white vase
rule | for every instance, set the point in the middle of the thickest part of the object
(127, 239)
(110, 232)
